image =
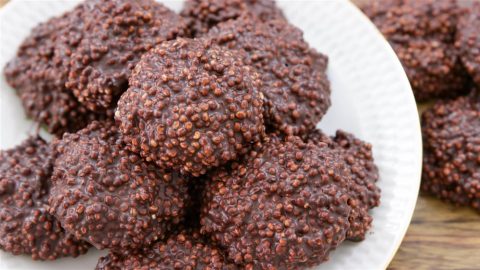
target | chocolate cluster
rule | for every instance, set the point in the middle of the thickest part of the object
(422, 33)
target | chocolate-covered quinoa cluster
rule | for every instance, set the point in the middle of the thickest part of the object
(185, 250)
(110, 197)
(422, 33)
(39, 72)
(295, 87)
(451, 144)
(286, 206)
(364, 194)
(205, 14)
(468, 40)
(116, 34)
(26, 227)
(72, 69)
(191, 106)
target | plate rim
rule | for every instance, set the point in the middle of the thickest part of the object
(418, 132)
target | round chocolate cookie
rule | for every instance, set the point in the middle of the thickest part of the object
(191, 106)
(451, 145)
(116, 34)
(468, 40)
(285, 207)
(26, 227)
(422, 33)
(295, 86)
(364, 193)
(185, 250)
(40, 70)
(110, 197)
(205, 14)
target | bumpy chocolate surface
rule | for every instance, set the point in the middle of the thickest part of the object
(40, 70)
(110, 197)
(284, 207)
(115, 35)
(364, 194)
(296, 89)
(422, 33)
(205, 14)
(451, 145)
(191, 106)
(468, 40)
(25, 225)
(185, 250)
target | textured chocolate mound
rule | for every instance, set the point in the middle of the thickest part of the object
(40, 70)
(468, 40)
(205, 14)
(422, 33)
(185, 250)
(285, 207)
(295, 86)
(364, 193)
(191, 106)
(110, 197)
(26, 227)
(115, 35)
(451, 146)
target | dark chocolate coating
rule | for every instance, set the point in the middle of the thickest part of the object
(110, 197)
(191, 106)
(116, 34)
(468, 40)
(451, 147)
(422, 33)
(295, 86)
(26, 227)
(205, 14)
(364, 194)
(185, 250)
(284, 207)
(39, 72)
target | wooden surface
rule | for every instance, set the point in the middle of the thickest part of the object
(440, 237)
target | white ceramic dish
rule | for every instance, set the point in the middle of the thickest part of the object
(371, 98)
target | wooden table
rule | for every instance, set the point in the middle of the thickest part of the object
(440, 236)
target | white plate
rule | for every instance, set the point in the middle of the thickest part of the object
(371, 98)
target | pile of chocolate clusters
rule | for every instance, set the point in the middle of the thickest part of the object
(438, 43)
(182, 141)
